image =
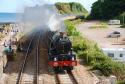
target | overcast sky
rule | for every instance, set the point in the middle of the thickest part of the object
(17, 5)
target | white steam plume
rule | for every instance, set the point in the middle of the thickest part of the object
(41, 16)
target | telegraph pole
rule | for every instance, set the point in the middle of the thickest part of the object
(123, 18)
(101, 9)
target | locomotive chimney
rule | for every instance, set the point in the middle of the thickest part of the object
(62, 34)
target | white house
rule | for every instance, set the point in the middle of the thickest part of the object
(115, 53)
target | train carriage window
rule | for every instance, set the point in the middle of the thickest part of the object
(111, 55)
(121, 55)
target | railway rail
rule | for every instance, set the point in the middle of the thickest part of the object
(67, 78)
(36, 62)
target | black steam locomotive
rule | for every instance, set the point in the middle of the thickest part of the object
(61, 56)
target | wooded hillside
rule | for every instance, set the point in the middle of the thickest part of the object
(107, 9)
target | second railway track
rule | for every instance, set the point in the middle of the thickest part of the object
(29, 71)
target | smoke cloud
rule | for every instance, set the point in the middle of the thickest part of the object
(41, 15)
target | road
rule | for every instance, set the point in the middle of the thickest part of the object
(99, 35)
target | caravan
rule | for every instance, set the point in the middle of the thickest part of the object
(114, 22)
(115, 53)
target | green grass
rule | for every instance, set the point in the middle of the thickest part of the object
(99, 26)
(122, 26)
(77, 21)
(71, 30)
(121, 82)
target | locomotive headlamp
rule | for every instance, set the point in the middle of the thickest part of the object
(72, 58)
(55, 59)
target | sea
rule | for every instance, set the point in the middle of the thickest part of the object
(8, 17)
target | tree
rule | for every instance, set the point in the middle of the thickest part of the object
(107, 9)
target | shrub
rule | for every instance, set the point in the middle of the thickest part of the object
(104, 67)
(121, 17)
(71, 30)
(123, 26)
(121, 82)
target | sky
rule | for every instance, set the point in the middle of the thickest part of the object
(12, 6)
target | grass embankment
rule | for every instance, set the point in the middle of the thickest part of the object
(93, 56)
(100, 25)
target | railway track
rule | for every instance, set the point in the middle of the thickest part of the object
(37, 62)
(29, 71)
(66, 78)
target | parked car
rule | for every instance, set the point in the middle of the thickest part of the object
(114, 34)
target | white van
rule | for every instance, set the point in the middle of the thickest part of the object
(114, 22)
(115, 53)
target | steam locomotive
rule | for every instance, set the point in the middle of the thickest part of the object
(61, 56)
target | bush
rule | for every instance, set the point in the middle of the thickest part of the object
(71, 30)
(121, 17)
(104, 66)
(121, 82)
(123, 26)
